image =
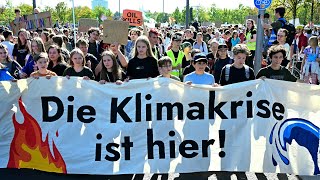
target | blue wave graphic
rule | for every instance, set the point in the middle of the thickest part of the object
(305, 133)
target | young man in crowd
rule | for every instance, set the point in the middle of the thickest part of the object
(177, 56)
(238, 71)
(188, 36)
(199, 76)
(94, 45)
(275, 71)
(165, 68)
(91, 60)
(153, 38)
(8, 36)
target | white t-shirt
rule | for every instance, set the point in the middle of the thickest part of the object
(9, 46)
(287, 47)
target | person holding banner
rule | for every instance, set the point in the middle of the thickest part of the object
(144, 64)
(165, 68)
(42, 62)
(56, 60)
(111, 71)
(78, 67)
(275, 71)
(37, 47)
(91, 60)
(199, 76)
(238, 71)
(12, 66)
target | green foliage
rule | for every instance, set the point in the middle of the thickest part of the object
(301, 9)
(26, 9)
(61, 10)
(7, 13)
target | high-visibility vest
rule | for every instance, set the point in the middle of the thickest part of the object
(250, 45)
(176, 62)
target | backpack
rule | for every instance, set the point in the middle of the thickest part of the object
(291, 29)
(227, 71)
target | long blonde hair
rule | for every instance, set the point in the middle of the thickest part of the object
(145, 40)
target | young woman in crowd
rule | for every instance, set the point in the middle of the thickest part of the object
(111, 71)
(45, 39)
(121, 59)
(235, 39)
(10, 65)
(251, 36)
(238, 71)
(37, 47)
(42, 62)
(310, 62)
(78, 68)
(21, 49)
(144, 64)
(56, 61)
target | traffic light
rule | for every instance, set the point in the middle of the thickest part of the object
(191, 14)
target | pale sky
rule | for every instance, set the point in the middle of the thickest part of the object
(153, 5)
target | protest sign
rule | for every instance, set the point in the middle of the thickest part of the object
(17, 24)
(115, 31)
(38, 21)
(134, 17)
(159, 126)
(86, 23)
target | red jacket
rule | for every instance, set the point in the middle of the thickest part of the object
(302, 41)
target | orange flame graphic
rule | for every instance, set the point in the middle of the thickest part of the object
(27, 149)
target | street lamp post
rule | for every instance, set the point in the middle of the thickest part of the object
(34, 4)
(74, 24)
(187, 14)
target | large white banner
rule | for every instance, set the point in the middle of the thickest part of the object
(158, 126)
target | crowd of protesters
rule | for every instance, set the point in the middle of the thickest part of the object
(202, 55)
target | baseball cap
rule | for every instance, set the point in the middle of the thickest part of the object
(221, 46)
(176, 36)
(200, 57)
(185, 44)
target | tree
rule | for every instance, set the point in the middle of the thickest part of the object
(162, 17)
(83, 12)
(62, 10)
(7, 14)
(54, 15)
(203, 14)
(26, 9)
(177, 15)
(98, 11)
